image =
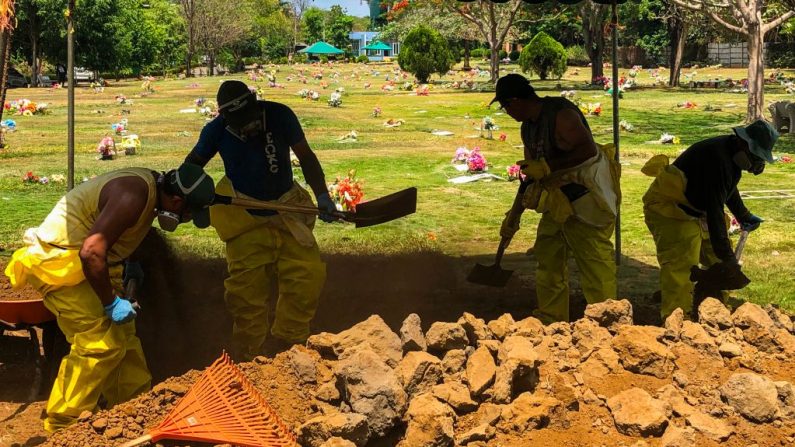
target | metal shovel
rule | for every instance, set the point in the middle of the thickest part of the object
(712, 282)
(373, 212)
(492, 275)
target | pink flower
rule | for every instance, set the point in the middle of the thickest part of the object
(503, 137)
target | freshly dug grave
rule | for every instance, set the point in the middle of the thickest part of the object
(726, 380)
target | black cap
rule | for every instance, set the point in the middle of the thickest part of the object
(198, 190)
(236, 103)
(512, 86)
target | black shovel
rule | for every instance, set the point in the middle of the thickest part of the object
(373, 212)
(492, 275)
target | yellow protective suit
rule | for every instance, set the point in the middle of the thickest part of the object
(260, 250)
(581, 229)
(682, 240)
(105, 359)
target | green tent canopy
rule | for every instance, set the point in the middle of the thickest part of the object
(378, 46)
(321, 47)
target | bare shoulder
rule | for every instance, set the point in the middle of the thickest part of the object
(127, 194)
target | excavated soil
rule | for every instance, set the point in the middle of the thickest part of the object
(184, 326)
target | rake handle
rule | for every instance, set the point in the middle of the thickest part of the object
(273, 206)
(137, 441)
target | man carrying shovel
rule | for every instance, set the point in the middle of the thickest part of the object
(75, 259)
(573, 184)
(254, 139)
(684, 206)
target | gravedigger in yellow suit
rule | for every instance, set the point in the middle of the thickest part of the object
(684, 207)
(254, 139)
(75, 259)
(574, 183)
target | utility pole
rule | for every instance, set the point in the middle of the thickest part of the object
(70, 76)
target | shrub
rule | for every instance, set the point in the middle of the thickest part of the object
(323, 59)
(576, 55)
(513, 56)
(477, 53)
(544, 56)
(503, 54)
(423, 53)
(363, 59)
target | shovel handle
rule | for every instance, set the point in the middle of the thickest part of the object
(738, 251)
(273, 206)
(504, 242)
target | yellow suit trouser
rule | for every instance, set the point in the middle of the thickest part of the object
(255, 258)
(105, 358)
(681, 244)
(593, 252)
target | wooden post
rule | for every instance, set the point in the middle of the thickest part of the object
(614, 26)
(70, 76)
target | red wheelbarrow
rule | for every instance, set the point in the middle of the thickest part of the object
(26, 316)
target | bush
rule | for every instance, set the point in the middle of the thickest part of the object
(543, 56)
(423, 53)
(323, 59)
(576, 55)
(780, 55)
(503, 54)
(363, 59)
(477, 53)
(514, 56)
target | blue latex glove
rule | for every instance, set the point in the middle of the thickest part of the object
(327, 208)
(133, 271)
(120, 311)
(751, 222)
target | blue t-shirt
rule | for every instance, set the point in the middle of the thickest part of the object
(259, 166)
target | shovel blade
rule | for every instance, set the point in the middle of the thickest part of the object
(489, 275)
(385, 209)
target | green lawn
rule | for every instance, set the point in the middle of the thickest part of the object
(454, 219)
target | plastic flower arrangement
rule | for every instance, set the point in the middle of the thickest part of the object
(376, 112)
(120, 128)
(515, 173)
(335, 100)
(476, 162)
(408, 86)
(147, 86)
(26, 107)
(303, 93)
(29, 177)
(313, 95)
(367, 85)
(130, 144)
(568, 94)
(633, 72)
(347, 192)
(200, 102)
(8, 125)
(210, 109)
(340, 90)
(387, 87)
(667, 138)
(121, 99)
(626, 125)
(461, 155)
(503, 137)
(106, 148)
(423, 90)
(687, 105)
(97, 87)
(591, 109)
(489, 126)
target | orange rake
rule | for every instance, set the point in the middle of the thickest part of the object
(222, 407)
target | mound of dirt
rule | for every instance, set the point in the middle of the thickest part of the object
(726, 380)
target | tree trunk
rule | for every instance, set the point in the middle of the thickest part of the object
(466, 66)
(210, 64)
(5, 37)
(188, 69)
(678, 33)
(35, 66)
(756, 75)
(593, 32)
(495, 63)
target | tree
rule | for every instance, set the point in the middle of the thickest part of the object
(338, 27)
(544, 56)
(493, 20)
(221, 23)
(188, 9)
(297, 8)
(314, 19)
(423, 53)
(751, 19)
(594, 19)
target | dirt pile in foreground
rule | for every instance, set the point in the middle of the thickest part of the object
(726, 380)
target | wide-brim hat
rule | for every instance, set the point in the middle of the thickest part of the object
(198, 190)
(761, 137)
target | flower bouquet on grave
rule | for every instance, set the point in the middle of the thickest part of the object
(687, 105)
(667, 138)
(591, 109)
(148, 85)
(376, 112)
(335, 100)
(121, 99)
(489, 126)
(476, 162)
(626, 125)
(461, 155)
(8, 125)
(347, 192)
(106, 148)
(97, 87)
(303, 93)
(131, 144)
(392, 122)
(29, 177)
(408, 86)
(515, 173)
(423, 90)
(569, 94)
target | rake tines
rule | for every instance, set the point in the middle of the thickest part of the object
(222, 407)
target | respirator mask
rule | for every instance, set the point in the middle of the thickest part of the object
(749, 162)
(167, 220)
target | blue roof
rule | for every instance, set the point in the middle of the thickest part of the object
(366, 35)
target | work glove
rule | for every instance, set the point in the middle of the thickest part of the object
(535, 169)
(751, 222)
(510, 225)
(327, 208)
(120, 311)
(133, 271)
